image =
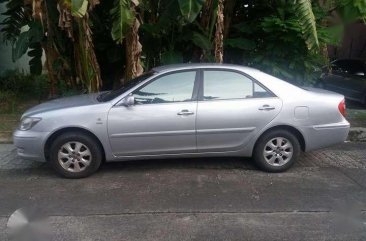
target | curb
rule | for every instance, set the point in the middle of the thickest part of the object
(356, 134)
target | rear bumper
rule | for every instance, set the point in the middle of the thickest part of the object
(29, 144)
(320, 136)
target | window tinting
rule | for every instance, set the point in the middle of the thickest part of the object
(176, 87)
(220, 85)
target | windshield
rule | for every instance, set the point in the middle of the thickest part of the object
(108, 96)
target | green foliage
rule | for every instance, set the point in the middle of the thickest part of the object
(16, 86)
(171, 57)
(35, 63)
(122, 18)
(240, 43)
(281, 37)
(16, 17)
(31, 40)
(271, 38)
(8, 101)
(351, 10)
(24, 85)
(190, 9)
(306, 19)
(79, 8)
(201, 41)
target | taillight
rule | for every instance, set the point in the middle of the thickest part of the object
(342, 107)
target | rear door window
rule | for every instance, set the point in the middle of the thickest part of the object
(224, 85)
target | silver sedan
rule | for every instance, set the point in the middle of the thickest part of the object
(192, 110)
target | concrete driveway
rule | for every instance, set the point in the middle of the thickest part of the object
(323, 197)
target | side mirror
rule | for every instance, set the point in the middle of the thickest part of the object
(128, 101)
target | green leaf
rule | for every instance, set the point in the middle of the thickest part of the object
(171, 57)
(190, 8)
(35, 32)
(240, 43)
(79, 8)
(21, 46)
(122, 18)
(35, 63)
(201, 41)
(331, 35)
(307, 22)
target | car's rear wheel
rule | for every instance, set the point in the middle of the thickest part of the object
(75, 155)
(276, 151)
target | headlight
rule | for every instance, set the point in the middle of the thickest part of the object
(28, 122)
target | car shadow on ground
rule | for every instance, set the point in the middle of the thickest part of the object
(181, 163)
(111, 168)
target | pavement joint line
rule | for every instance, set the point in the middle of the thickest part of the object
(192, 213)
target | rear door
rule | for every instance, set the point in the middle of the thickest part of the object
(231, 110)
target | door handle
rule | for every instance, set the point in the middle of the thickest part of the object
(266, 107)
(185, 112)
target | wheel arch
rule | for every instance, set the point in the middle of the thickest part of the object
(293, 130)
(59, 132)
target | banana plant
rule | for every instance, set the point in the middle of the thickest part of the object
(122, 19)
(190, 8)
(306, 18)
(87, 67)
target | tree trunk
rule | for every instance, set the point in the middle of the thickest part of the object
(219, 35)
(133, 50)
(206, 14)
(78, 30)
(86, 60)
(228, 14)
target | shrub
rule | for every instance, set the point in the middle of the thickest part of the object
(8, 101)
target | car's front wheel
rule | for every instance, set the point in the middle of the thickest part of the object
(75, 155)
(276, 151)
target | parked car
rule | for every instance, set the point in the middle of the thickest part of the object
(191, 110)
(348, 77)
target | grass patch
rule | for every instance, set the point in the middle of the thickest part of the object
(357, 114)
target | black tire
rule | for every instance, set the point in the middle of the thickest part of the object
(258, 153)
(88, 142)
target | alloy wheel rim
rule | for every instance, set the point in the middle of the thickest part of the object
(74, 156)
(278, 151)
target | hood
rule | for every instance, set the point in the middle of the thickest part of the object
(61, 103)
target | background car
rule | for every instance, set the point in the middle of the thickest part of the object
(191, 110)
(348, 77)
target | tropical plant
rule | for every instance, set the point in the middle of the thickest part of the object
(85, 41)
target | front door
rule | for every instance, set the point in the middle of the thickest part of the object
(232, 109)
(162, 120)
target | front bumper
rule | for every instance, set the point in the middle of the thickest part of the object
(320, 136)
(30, 144)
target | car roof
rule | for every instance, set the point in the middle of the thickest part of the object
(171, 67)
